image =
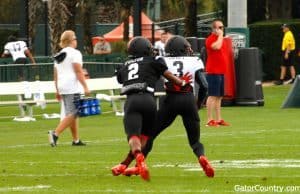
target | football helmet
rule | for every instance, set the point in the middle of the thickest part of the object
(140, 47)
(178, 46)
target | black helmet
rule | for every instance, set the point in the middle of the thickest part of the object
(178, 46)
(140, 47)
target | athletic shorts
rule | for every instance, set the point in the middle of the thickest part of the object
(140, 112)
(21, 69)
(215, 84)
(68, 105)
(289, 61)
(174, 104)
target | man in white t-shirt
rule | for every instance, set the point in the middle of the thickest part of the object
(69, 83)
(160, 45)
(19, 52)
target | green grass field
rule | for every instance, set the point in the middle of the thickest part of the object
(260, 149)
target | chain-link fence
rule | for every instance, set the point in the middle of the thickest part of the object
(44, 71)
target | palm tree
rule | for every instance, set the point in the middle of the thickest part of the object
(171, 9)
(126, 9)
(58, 17)
(71, 6)
(190, 27)
(86, 11)
(279, 9)
(35, 10)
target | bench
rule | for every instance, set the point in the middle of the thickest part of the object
(21, 89)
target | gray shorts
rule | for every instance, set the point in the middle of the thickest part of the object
(69, 106)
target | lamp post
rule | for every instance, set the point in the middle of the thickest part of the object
(46, 26)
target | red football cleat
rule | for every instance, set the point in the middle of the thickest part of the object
(212, 123)
(131, 171)
(143, 169)
(223, 123)
(207, 168)
(118, 169)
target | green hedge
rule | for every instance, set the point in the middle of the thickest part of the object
(268, 37)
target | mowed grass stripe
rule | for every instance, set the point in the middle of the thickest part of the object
(261, 147)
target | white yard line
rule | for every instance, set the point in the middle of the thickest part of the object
(63, 143)
(237, 164)
(226, 164)
(146, 191)
(179, 175)
(24, 188)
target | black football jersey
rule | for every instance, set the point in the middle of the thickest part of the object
(142, 70)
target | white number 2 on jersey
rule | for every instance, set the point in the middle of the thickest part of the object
(133, 71)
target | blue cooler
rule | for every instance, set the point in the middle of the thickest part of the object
(88, 106)
(84, 109)
(95, 106)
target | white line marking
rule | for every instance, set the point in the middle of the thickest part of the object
(110, 175)
(24, 188)
(226, 164)
(148, 191)
(64, 143)
(237, 164)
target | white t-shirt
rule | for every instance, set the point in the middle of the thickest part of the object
(16, 49)
(181, 65)
(161, 47)
(67, 81)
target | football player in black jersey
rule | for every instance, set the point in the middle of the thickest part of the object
(138, 76)
(180, 101)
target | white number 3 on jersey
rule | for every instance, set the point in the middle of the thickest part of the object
(133, 71)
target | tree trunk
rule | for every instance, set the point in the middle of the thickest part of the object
(126, 9)
(279, 9)
(58, 17)
(86, 24)
(71, 6)
(256, 10)
(34, 8)
(190, 27)
(125, 19)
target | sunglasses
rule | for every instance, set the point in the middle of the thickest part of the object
(218, 27)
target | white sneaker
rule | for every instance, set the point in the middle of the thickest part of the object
(52, 138)
(289, 81)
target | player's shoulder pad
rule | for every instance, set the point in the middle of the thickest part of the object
(160, 59)
(199, 61)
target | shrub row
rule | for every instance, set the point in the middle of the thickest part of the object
(268, 37)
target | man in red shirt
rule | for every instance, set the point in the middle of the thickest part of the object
(215, 69)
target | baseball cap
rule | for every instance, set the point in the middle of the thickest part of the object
(285, 26)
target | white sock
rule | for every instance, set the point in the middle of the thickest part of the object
(77, 141)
